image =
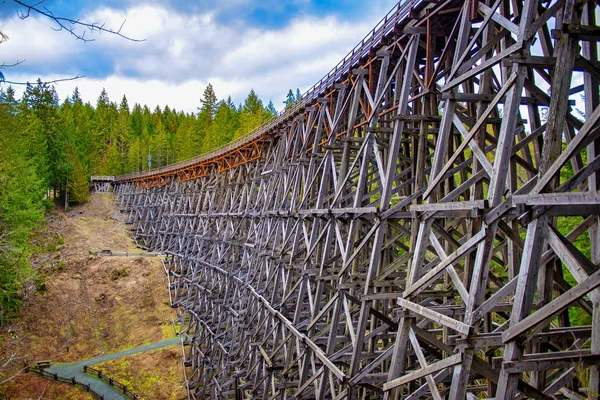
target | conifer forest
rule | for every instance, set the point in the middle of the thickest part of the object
(49, 149)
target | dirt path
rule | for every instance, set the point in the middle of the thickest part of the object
(86, 306)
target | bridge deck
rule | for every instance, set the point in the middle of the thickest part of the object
(195, 167)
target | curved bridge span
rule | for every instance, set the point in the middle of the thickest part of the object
(423, 225)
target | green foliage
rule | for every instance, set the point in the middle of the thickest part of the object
(224, 126)
(22, 190)
(291, 99)
(252, 115)
(77, 186)
(49, 149)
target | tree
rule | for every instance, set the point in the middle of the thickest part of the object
(271, 109)
(290, 100)
(185, 138)
(102, 134)
(204, 122)
(41, 102)
(252, 115)
(208, 101)
(77, 184)
(21, 198)
(123, 129)
(223, 129)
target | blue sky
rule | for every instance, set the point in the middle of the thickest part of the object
(237, 45)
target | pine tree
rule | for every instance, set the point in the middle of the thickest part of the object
(41, 102)
(185, 147)
(208, 101)
(290, 100)
(21, 196)
(123, 129)
(271, 109)
(77, 184)
(253, 114)
(204, 122)
(224, 126)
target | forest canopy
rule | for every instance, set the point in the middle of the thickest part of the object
(49, 149)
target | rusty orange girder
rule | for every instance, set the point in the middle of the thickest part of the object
(242, 155)
(152, 181)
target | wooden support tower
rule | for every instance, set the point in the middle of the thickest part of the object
(424, 224)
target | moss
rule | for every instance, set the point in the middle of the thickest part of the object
(168, 331)
(150, 375)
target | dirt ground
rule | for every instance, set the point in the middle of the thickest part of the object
(83, 306)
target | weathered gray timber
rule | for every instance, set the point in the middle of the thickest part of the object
(424, 224)
(102, 184)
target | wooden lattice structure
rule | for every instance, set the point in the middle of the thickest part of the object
(102, 184)
(423, 225)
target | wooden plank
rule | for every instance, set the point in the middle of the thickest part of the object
(435, 272)
(556, 306)
(420, 373)
(436, 316)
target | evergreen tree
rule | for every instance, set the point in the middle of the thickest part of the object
(123, 129)
(224, 126)
(185, 146)
(41, 102)
(204, 122)
(77, 184)
(208, 101)
(271, 109)
(290, 100)
(22, 191)
(253, 114)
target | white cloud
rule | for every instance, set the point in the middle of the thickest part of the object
(34, 40)
(183, 52)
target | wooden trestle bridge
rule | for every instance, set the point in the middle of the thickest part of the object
(424, 224)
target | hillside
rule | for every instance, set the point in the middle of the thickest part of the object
(86, 306)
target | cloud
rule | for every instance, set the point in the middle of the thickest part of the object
(34, 40)
(183, 52)
(180, 47)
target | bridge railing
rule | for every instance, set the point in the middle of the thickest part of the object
(362, 49)
(102, 178)
(39, 369)
(122, 388)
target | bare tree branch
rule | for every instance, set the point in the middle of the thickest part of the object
(69, 24)
(5, 65)
(63, 23)
(45, 82)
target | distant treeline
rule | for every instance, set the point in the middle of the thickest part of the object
(49, 147)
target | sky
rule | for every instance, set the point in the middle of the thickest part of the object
(270, 46)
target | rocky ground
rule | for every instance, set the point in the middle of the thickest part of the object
(82, 306)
